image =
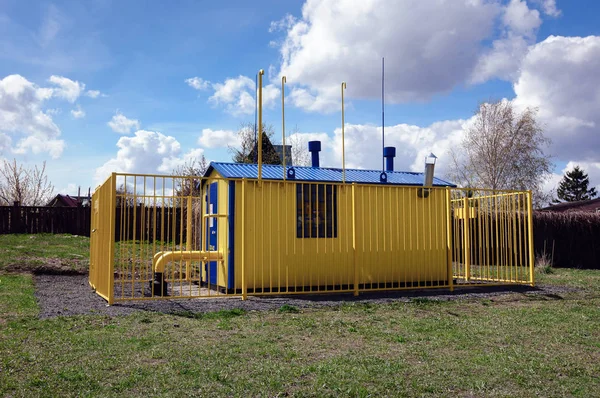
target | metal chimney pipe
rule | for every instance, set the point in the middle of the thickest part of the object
(314, 147)
(429, 168)
(389, 153)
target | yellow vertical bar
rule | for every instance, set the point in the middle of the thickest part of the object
(520, 234)
(467, 237)
(111, 235)
(259, 127)
(480, 246)
(449, 240)
(243, 242)
(530, 238)
(135, 237)
(188, 234)
(270, 240)
(378, 256)
(343, 140)
(354, 239)
(283, 81)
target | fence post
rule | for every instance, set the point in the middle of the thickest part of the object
(243, 240)
(449, 238)
(15, 218)
(354, 252)
(111, 240)
(530, 238)
(188, 233)
(466, 239)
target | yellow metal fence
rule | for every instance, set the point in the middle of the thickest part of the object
(172, 237)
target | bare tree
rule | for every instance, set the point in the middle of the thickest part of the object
(300, 154)
(28, 186)
(503, 149)
(247, 142)
(191, 168)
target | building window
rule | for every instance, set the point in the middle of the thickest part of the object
(316, 211)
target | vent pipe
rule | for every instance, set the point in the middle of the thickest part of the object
(429, 168)
(389, 153)
(314, 147)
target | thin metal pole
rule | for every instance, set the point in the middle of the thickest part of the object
(382, 115)
(343, 138)
(283, 81)
(255, 106)
(260, 75)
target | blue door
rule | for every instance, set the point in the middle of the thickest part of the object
(210, 268)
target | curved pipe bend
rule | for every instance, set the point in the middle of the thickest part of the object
(163, 258)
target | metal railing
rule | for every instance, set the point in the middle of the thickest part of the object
(195, 237)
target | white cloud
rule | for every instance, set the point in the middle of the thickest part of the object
(169, 164)
(560, 77)
(549, 7)
(120, 124)
(198, 83)
(283, 24)
(50, 26)
(413, 143)
(218, 138)
(22, 116)
(520, 19)
(503, 59)
(146, 152)
(67, 89)
(237, 95)
(78, 113)
(313, 102)
(430, 47)
(39, 144)
(93, 93)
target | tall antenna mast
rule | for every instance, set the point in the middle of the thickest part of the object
(255, 108)
(382, 114)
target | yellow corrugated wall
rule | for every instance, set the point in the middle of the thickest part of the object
(400, 238)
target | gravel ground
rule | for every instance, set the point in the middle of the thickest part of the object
(64, 295)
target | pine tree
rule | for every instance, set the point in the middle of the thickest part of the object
(574, 186)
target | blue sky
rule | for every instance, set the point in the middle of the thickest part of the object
(81, 64)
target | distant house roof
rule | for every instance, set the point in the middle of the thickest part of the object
(68, 201)
(63, 201)
(592, 206)
(325, 174)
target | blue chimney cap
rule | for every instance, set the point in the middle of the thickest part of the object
(389, 152)
(314, 146)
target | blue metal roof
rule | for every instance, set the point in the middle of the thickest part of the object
(326, 174)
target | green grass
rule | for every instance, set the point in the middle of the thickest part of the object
(521, 345)
(16, 297)
(44, 252)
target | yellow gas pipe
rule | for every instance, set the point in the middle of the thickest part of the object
(343, 141)
(283, 81)
(260, 75)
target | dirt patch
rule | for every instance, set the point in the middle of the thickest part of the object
(65, 295)
(48, 266)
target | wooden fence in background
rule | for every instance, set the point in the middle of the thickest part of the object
(41, 219)
(136, 223)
